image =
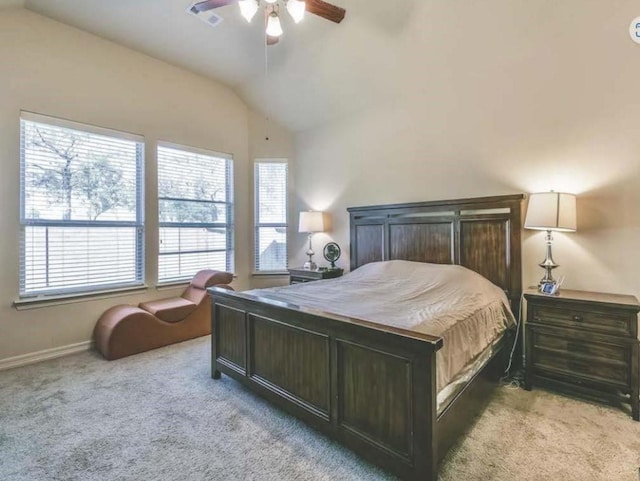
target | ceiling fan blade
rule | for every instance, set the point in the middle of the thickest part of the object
(210, 5)
(326, 10)
(272, 40)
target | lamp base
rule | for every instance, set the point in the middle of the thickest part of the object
(548, 263)
(548, 266)
(310, 265)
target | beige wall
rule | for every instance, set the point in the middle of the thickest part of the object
(49, 68)
(496, 98)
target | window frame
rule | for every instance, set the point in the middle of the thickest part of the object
(229, 225)
(138, 224)
(256, 217)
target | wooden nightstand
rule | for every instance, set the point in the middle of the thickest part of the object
(584, 341)
(299, 275)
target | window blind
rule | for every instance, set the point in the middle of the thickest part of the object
(270, 178)
(81, 208)
(195, 197)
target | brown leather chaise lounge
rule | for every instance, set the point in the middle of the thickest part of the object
(125, 330)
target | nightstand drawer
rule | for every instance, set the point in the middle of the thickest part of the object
(607, 323)
(300, 280)
(595, 351)
(300, 276)
(582, 367)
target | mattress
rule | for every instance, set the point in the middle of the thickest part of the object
(447, 301)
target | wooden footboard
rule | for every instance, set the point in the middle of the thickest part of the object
(369, 386)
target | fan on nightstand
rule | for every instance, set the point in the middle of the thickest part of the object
(331, 253)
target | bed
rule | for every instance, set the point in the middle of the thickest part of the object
(374, 386)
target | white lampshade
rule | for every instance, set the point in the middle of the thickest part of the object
(274, 29)
(271, 1)
(312, 221)
(248, 8)
(296, 9)
(551, 211)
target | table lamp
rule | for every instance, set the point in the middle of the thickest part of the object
(312, 222)
(551, 211)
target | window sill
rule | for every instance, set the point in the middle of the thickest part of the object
(48, 301)
(270, 274)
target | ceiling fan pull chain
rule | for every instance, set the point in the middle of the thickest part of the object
(266, 75)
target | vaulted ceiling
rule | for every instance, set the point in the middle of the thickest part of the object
(383, 52)
(319, 71)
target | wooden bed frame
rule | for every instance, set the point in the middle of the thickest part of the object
(369, 386)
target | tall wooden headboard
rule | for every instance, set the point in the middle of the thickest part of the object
(482, 234)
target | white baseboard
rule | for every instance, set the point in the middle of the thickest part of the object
(34, 357)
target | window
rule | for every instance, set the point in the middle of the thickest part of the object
(270, 179)
(195, 194)
(80, 209)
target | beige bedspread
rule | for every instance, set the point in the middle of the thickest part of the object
(450, 301)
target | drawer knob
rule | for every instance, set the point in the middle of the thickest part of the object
(577, 318)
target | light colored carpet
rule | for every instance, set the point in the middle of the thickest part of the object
(159, 416)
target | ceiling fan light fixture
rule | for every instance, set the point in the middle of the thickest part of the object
(248, 9)
(274, 29)
(271, 1)
(296, 9)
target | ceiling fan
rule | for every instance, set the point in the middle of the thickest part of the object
(296, 9)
